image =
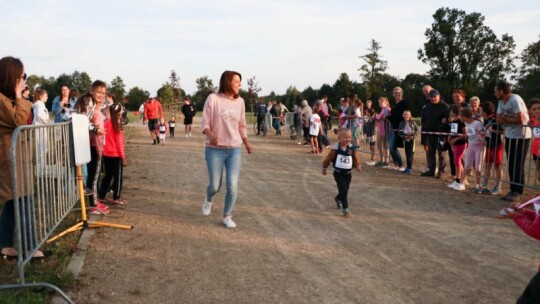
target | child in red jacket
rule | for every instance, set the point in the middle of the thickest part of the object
(114, 157)
(528, 221)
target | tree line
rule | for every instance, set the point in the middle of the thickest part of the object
(460, 50)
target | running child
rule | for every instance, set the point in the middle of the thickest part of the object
(407, 131)
(172, 125)
(494, 148)
(315, 129)
(344, 158)
(114, 156)
(162, 130)
(369, 130)
(475, 148)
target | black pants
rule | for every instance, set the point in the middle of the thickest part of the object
(113, 170)
(306, 134)
(516, 150)
(451, 160)
(94, 167)
(409, 152)
(343, 180)
(260, 121)
(171, 132)
(7, 223)
(434, 147)
(531, 294)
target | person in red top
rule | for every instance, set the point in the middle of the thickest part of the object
(535, 123)
(114, 156)
(529, 222)
(153, 113)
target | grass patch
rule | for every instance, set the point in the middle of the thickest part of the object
(50, 269)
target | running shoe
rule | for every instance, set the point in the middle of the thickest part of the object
(228, 222)
(206, 207)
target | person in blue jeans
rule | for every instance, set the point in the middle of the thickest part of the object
(224, 124)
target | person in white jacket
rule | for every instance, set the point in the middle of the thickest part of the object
(40, 117)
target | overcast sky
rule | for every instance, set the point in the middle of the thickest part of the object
(281, 42)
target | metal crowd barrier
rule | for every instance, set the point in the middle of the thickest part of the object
(44, 190)
(518, 166)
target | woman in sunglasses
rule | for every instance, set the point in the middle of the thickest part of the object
(14, 111)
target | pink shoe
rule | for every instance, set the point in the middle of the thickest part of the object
(119, 201)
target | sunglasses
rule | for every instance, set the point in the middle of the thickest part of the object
(24, 76)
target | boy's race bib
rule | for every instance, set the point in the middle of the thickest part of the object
(344, 161)
(453, 128)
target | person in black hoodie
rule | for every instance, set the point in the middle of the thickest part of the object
(434, 116)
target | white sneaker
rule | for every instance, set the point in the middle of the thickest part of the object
(453, 184)
(370, 163)
(206, 207)
(228, 222)
(401, 169)
(459, 187)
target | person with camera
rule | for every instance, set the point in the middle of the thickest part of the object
(61, 104)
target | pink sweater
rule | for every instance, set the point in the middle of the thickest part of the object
(226, 119)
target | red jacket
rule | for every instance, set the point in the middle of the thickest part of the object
(114, 142)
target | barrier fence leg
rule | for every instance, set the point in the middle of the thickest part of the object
(84, 223)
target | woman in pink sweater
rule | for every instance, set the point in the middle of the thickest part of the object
(224, 124)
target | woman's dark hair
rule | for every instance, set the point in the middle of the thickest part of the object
(225, 83)
(533, 102)
(488, 108)
(116, 111)
(11, 70)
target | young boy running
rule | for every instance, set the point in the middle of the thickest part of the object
(344, 158)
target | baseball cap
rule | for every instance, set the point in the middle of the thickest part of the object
(433, 93)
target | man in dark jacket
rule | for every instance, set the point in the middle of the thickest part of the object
(434, 115)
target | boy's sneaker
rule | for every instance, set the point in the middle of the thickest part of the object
(478, 190)
(408, 171)
(452, 185)
(370, 163)
(88, 191)
(379, 164)
(495, 191)
(515, 197)
(346, 212)
(228, 222)
(99, 209)
(459, 187)
(338, 202)
(401, 169)
(206, 207)
(119, 201)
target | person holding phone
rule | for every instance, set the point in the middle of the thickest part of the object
(14, 111)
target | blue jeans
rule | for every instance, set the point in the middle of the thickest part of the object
(216, 160)
(394, 152)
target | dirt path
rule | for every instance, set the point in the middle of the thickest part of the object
(409, 239)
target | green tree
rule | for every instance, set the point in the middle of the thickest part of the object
(166, 94)
(205, 87)
(463, 52)
(343, 86)
(253, 91)
(310, 94)
(372, 71)
(118, 88)
(292, 97)
(135, 97)
(174, 80)
(412, 86)
(529, 72)
(80, 81)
